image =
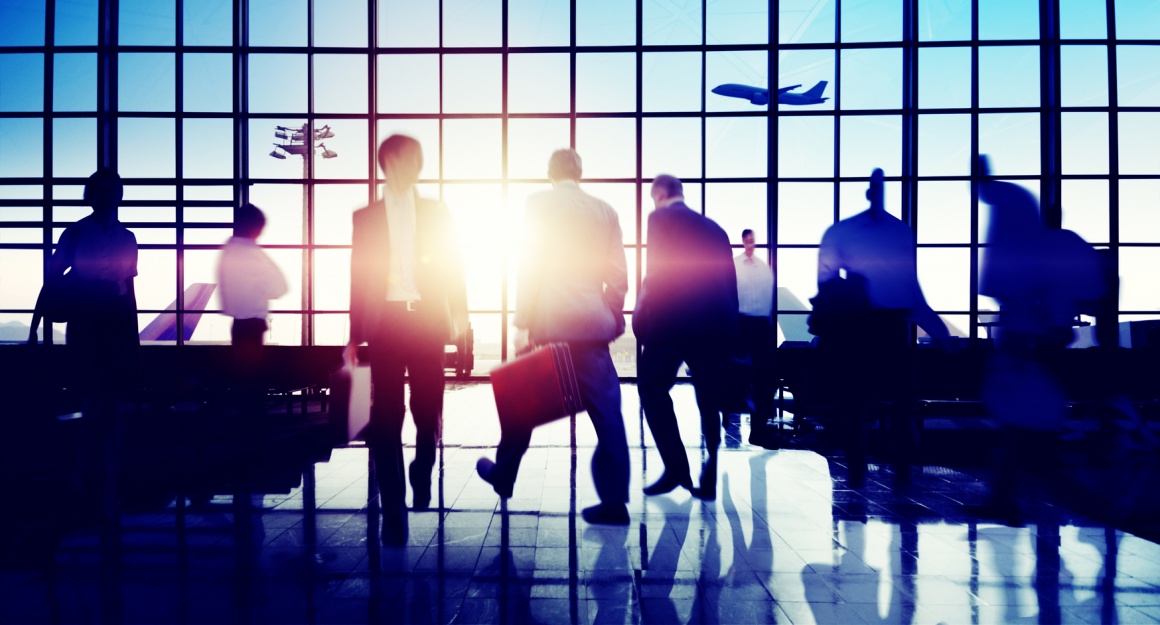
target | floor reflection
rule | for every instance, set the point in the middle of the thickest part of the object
(788, 540)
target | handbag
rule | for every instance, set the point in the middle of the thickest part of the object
(537, 387)
(350, 404)
(60, 299)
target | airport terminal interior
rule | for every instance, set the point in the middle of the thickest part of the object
(187, 499)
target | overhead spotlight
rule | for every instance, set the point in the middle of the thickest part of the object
(276, 154)
(323, 133)
(326, 153)
(281, 135)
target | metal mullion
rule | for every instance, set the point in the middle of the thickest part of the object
(307, 298)
(179, 209)
(837, 106)
(1114, 176)
(772, 186)
(46, 194)
(504, 184)
(1050, 115)
(974, 207)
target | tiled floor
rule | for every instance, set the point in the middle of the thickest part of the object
(786, 541)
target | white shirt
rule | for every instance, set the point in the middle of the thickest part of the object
(400, 208)
(754, 286)
(248, 279)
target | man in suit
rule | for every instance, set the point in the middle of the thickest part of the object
(572, 286)
(407, 300)
(686, 312)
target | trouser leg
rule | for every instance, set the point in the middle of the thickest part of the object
(600, 392)
(656, 374)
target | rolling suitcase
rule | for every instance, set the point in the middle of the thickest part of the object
(537, 387)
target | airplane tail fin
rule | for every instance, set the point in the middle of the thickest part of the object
(164, 326)
(817, 90)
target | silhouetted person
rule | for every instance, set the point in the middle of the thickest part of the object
(870, 349)
(100, 255)
(756, 337)
(407, 300)
(248, 279)
(686, 313)
(1042, 276)
(571, 289)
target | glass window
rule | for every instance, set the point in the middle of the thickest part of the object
(738, 21)
(797, 271)
(605, 23)
(408, 24)
(278, 83)
(1082, 19)
(538, 23)
(530, 144)
(33, 235)
(852, 196)
(671, 145)
(869, 141)
(1084, 75)
(944, 145)
(277, 22)
(333, 206)
(1136, 20)
(945, 277)
(1139, 217)
(471, 23)
(746, 68)
(22, 151)
(207, 23)
(944, 77)
(805, 68)
(1084, 143)
(348, 147)
(76, 23)
(146, 148)
(736, 206)
(203, 75)
(408, 83)
(671, 23)
(943, 214)
(872, 79)
(30, 16)
(333, 292)
(608, 147)
(331, 329)
(340, 23)
(1085, 209)
(285, 329)
(672, 81)
(340, 83)
(804, 211)
(805, 147)
(156, 281)
(1139, 136)
(282, 204)
(806, 21)
(605, 82)
(20, 292)
(1011, 141)
(1138, 278)
(1135, 64)
(74, 82)
(944, 21)
(1008, 76)
(21, 82)
(871, 20)
(485, 233)
(147, 82)
(74, 147)
(736, 147)
(539, 83)
(207, 148)
(1008, 19)
(472, 83)
(147, 22)
(472, 149)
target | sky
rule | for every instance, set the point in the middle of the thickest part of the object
(486, 192)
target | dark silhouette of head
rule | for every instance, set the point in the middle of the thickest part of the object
(876, 192)
(565, 164)
(103, 192)
(249, 221)
(401, 159)
(749, 240)
(665, 189)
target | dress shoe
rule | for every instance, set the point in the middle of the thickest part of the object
(606, 514)
(765, 439)
(420, 487)
(486, 468)
(395, 528)
(667, 484)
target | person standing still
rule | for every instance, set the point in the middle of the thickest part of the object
(756, 337)
(407, 300)
(249, 279)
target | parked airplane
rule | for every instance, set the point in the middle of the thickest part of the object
(757, 95)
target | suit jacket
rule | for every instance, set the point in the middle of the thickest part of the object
(573, 277)
(438, 268)
(690, 288)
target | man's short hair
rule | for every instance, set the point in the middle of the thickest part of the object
(746, 232)
(395, 145)
(671, 185)
(104, 187)
(565, 164)
(248, 221)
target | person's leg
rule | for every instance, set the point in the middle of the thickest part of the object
(760, 339)
(425, 369)
(656, 374)
(388, 354)
(600, 392)
(707, 360)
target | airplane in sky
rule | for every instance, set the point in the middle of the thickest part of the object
(757, 95)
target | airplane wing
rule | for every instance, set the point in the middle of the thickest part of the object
(164, 326)
(785, 89)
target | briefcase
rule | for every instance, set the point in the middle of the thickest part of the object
(537, 387)
(350, 404)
